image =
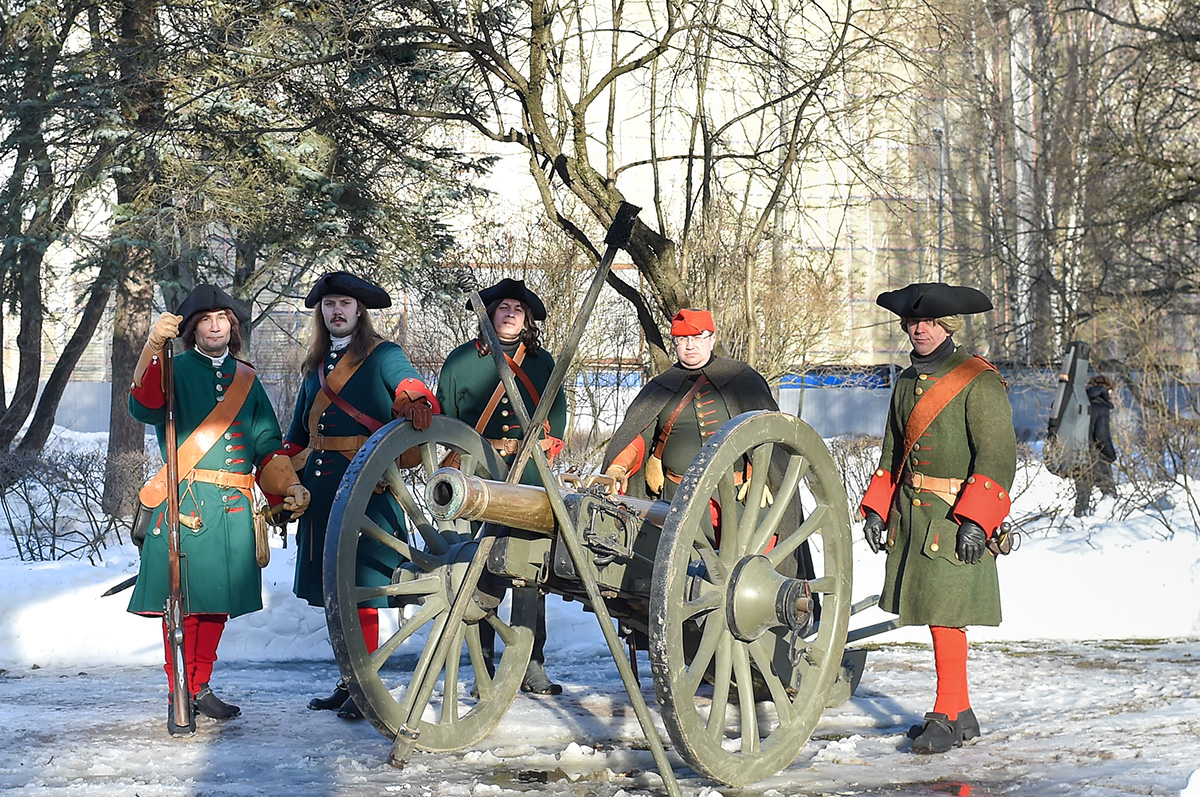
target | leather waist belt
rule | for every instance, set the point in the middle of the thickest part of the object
(738, 477)
(505, 445)
(946, 489)
(223, 478)
(343, 445)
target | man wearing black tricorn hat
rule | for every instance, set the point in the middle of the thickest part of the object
(226, 433)
(354, 383)
(948, 461)
(469, 389)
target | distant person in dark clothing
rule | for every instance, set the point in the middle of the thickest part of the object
(1097, 471)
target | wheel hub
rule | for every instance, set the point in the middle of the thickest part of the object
(759, 599)
(485, 600)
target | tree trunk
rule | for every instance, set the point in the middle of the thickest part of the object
(143, 94)
(43, 418)
(123, 473)
(29, 344)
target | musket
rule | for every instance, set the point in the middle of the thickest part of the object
(181, 696)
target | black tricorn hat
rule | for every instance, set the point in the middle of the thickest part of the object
(343, 283)
(934, 300)
(206, 298)
(513, 289)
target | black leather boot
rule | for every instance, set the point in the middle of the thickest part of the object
(350, 710)
(966, 722)
(208, 704)
(940, 735)
(333, 702)
(172, 728)
(537, 682)
(968, 726)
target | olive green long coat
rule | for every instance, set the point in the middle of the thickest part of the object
(973, 436)
(220, 573)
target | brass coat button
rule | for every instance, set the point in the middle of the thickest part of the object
(504, 428)
(916, 502)
(934, 547)
(919, 391)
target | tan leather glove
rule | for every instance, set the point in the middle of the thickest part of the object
(165, 328)
(621, 476)
(767, 497)
(296, 500)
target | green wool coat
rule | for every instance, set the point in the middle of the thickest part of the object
(220, 574)
(371, 390)
(465, 386)
(925, 582)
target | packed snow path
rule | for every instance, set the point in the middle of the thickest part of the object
(1059, 718)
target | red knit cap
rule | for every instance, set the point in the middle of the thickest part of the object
(692, 322)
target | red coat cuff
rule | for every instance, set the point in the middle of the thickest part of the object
(289, 448)
(879, 495)
(416, 387)
(983, 500)
(150, 394)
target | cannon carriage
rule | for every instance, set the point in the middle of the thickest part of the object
(739, 589)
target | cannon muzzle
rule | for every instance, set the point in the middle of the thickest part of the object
(453, 495)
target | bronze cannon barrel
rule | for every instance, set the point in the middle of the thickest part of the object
(453, 495)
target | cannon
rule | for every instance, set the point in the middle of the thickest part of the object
(745, 647)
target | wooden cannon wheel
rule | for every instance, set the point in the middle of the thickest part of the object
(740, 690)
(436, 557)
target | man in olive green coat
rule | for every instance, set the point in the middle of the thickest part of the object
(948, 462)
(221, 577)
(469, 389)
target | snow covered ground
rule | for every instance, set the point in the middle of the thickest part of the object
(1089, 687)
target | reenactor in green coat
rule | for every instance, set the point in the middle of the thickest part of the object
(469, 389)
(948, 462)
(221, 576)
(354, 382)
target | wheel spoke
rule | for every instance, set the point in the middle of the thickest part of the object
(762, 654)
(450, 683)
(786, 493)
(370, 528)
(709, 599)
(412, 510)
(428, 451)
(420, 587)
(820, 520)
(745, 687)
(727, 498)
(722, 678)
(483, 681)
(429, 611)
(760, 471)
(710, 637)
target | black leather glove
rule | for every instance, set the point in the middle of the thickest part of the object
(874, 529)
(972, 541)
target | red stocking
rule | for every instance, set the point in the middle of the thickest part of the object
(950, 658)
(369, 620)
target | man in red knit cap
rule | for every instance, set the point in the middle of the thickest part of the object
(948, 461)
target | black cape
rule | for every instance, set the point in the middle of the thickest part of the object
(743, 389)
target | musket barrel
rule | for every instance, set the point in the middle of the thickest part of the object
(453, 495)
